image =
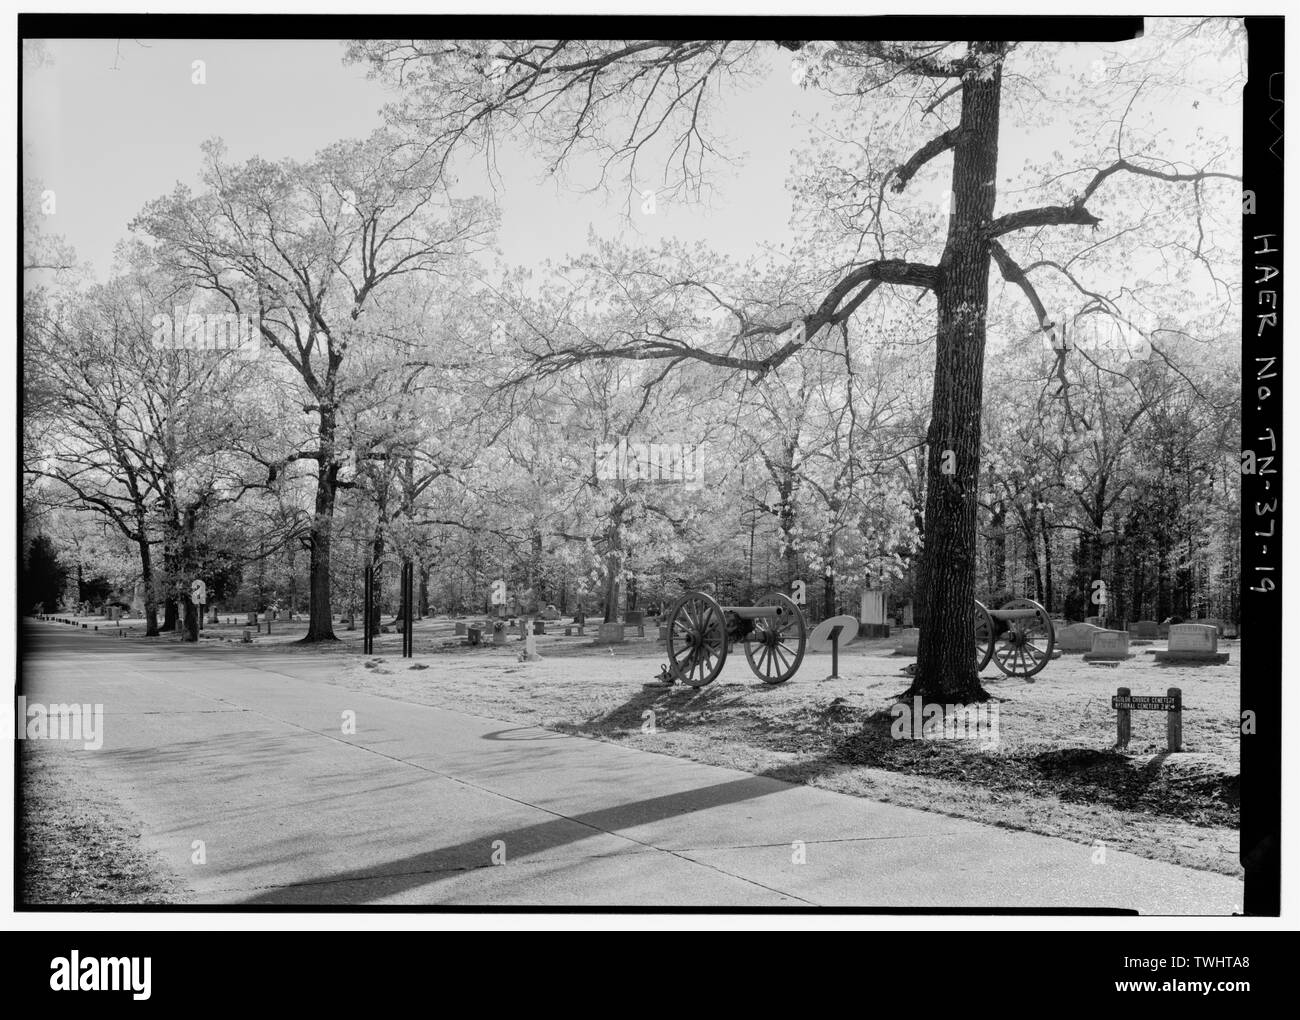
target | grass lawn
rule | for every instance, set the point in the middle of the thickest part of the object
(79, 845)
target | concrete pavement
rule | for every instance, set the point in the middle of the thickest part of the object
(249, 758)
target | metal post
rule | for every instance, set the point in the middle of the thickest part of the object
(1123, 721)
(1174, 721)
(368, 610)
(408, 609)
(835, 653)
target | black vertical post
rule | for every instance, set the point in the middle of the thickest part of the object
(835, 653)
(408, 609)
(368, 610)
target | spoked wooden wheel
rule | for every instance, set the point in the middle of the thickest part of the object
(983, 636)
(776, 645)
(697, 639)
(1026, 645)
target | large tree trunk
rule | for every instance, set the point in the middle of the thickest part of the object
(946, 653)
(611, 588)
(146, 573)
(998, 549)
(1047, 562)
(191, 629)
(320, 624)
(376, 558)
(613, 563)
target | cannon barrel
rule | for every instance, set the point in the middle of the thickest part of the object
(756, 612)
(1013, 614)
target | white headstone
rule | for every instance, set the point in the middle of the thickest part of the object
(873, 606)
(1193, 637)
(1077, 637)
(1109, 645)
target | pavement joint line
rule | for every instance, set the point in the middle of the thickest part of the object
(533, 861)
(496, 793)
(816, 842)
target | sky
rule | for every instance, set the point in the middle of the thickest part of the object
(109, 125)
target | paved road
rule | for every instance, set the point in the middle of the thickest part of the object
(247, 753)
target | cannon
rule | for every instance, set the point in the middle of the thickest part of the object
(701, 632)
(1018, 638)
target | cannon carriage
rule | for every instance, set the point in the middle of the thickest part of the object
(701, 633)
(1018, 638)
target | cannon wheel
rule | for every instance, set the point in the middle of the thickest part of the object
(775, 648)
(697, 639)
(983, 636)
(1026, 645)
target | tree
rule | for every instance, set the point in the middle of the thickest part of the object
(309, 250)
(132, 429)
(44, 576)
(622, 99)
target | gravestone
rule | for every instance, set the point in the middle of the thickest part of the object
(1144, 630)
(460, 629)
(634, 618)
(550, 613)
(872, 606)
(539, 627)
(1077, 637)
(873, 622)
(474, 635)
(1193, 644)
(909, 617)
(1109, 646)
(248, 637)
(610, 634)
(1212, 622)
(909, 639)
(530, 648)
(499, 636)
(663, 632)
